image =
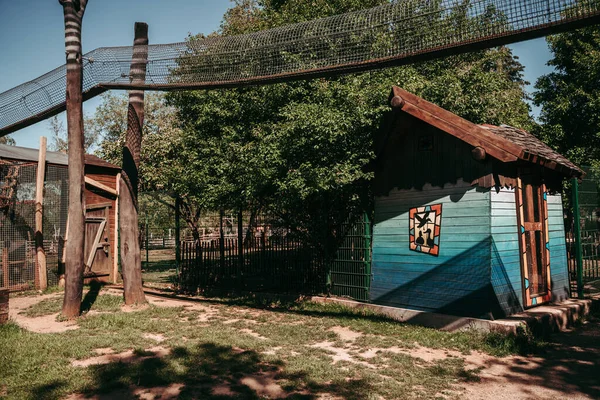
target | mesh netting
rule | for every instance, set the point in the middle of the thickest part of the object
(395, 33)
(17, 223)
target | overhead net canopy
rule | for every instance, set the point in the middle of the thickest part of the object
(392, 34)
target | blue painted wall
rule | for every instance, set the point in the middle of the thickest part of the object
(478, 270)
(506, 261)
(558, 250)
(455, 282)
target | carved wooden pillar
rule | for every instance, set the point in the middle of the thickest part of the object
(128, 202)
(73, 15)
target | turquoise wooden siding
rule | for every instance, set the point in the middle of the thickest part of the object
(558, 250)
(458, 280)
(506, 261)
(478, 270)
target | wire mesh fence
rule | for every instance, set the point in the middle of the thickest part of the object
(394, 33)
(17, 223)
(589, 223)
(236, 254)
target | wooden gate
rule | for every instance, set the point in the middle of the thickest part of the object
(98, 259)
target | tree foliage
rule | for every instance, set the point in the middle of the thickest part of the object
(59, 138)
(162, 169)
(301, 150)
(7, 140)
(570, 96)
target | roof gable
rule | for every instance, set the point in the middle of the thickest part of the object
(52, 157)
(506, 144)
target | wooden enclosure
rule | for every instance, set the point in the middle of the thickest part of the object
(101, 220)
(21, 266)
(468, 218)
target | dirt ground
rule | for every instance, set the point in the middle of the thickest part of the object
(568, 369)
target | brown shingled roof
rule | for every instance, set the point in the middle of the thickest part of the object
(52, 157)
(504, 143)
(91, 159)
(534, 149)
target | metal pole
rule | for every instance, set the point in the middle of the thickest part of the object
(577, 233)
(367, 223)
(240, 232)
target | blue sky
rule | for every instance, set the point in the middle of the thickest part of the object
(32, 41)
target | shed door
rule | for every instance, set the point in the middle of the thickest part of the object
(97, 246)
(535, 257)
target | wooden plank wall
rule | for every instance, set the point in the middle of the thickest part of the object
(455, 282)
(506, 261)
(96, 196)
(403, 163)
(559, 269)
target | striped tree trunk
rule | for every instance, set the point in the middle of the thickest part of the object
(128, 212)
(73, 15)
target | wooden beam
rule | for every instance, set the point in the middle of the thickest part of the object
(5, 260)
(100, 186)
(94, 247)
(478, 153)
(495, 146)
(41, 271)
(115, 274)
(98, 206)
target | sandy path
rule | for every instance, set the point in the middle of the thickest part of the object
(43, 324)
(569, 369)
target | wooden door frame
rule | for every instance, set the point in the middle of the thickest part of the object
(106, 228)
(530, 300)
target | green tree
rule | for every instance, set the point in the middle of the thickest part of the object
(301, 150)
(162, 168)
(7, 140)
(59, 135)
(570, 96)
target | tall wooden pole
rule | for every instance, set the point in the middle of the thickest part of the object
(128, 201)
(73, 15)
(41, 273)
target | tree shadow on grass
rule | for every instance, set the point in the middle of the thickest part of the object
(90, 297)
(50, 390)
(209, 371)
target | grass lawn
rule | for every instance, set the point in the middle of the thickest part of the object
(222, 349)
(159, 269)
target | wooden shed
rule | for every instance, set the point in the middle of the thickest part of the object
(468, 218)
(101, 193)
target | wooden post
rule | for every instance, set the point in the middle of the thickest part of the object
(115, 274)
(221, 240)
(240, 248)
(130, 246)
(240, 229)
(73, 16)
(61, 277)
(41, 272)
(5, 269)
(3, 306)
(177, 233)
(577, 233)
